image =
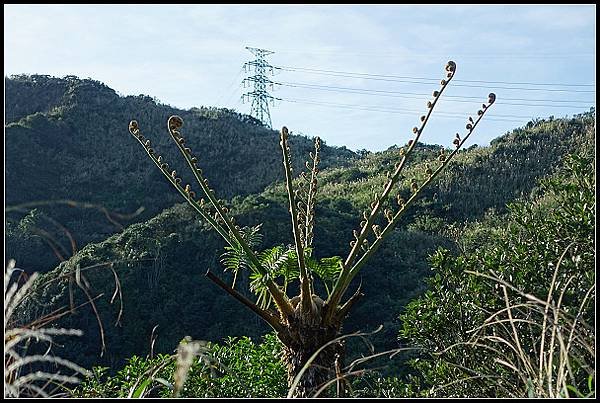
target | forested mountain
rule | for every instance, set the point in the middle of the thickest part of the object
(160, 263)
(543, 245)
(519, 278)
(67, 139)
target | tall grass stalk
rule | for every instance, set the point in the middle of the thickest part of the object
(544, 347)
(18, 382)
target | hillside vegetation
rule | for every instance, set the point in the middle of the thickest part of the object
(65, 140)
(160, 262)
(479, 328)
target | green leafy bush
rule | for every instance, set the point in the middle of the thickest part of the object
(514, 316)
(238, 368)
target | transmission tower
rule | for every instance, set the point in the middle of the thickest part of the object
(259, 81)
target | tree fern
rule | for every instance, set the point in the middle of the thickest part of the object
(306, 323)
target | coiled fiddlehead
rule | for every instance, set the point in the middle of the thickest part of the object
(368, 226)
(219, 213)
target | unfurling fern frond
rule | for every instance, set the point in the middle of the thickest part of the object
(234, 258)
(280, 262)
(327, 269)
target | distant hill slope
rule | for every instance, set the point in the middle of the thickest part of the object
(479, 178)
(161, 262)
(67, 138)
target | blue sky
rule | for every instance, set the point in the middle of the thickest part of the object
(192, 55)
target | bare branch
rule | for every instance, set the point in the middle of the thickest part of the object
(267, 316)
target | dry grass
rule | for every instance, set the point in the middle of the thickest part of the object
(544, 350)
(31, 375)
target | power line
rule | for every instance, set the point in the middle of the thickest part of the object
(374, 108)
(424, 80)
(409, 110)
(230, 87)
(412, 95)
(302, 85)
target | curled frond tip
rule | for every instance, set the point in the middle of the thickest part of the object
(175, 122)
(133, 126)
(451, 66)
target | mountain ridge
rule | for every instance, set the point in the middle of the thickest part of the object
(161, 258)
(72, 143)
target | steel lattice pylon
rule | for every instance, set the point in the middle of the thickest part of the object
(259, 95)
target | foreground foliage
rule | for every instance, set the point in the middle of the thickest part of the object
(238, 368)
(31, 367)
(513, 316)
(160, 278)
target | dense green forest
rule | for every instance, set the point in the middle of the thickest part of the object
(65, 141)
(545, 236)
(519, 276)
(71, 143)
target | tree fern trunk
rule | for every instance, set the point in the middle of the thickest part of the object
(305, 340)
